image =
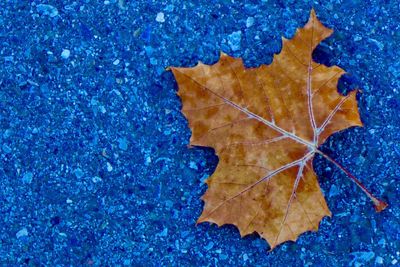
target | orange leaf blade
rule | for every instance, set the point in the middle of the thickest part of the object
(265, 125)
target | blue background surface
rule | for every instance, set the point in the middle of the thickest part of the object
(94, 164)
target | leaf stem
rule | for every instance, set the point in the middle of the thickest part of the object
(379, 204)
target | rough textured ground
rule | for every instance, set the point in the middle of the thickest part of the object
(94, 167)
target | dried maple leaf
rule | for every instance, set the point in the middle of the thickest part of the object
(266, 125)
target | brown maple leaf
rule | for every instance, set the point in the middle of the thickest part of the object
(266, 125)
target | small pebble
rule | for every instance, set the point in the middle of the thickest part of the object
(123, 144)
(234, 40)
(379, 260)
(223, 256)
(249, 22)
(109, 167)
(160, 17)
(65, 53)
(9, 59)
(6, 149)
(169, 8)
(380, 45)
(147, 161)
(27, 178)
(362, 256)
(21, 233)
(102, 109)
(334, 191)
(164, 233)
(47, 10)
(153, 61)
(78, 173)
(193, 165)
(394, 261)
(169, 204)
(209, 246)
(149, 50)
(96, 179)
(116, 62)
(7, 133)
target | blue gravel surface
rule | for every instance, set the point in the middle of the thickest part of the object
(94, 164)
